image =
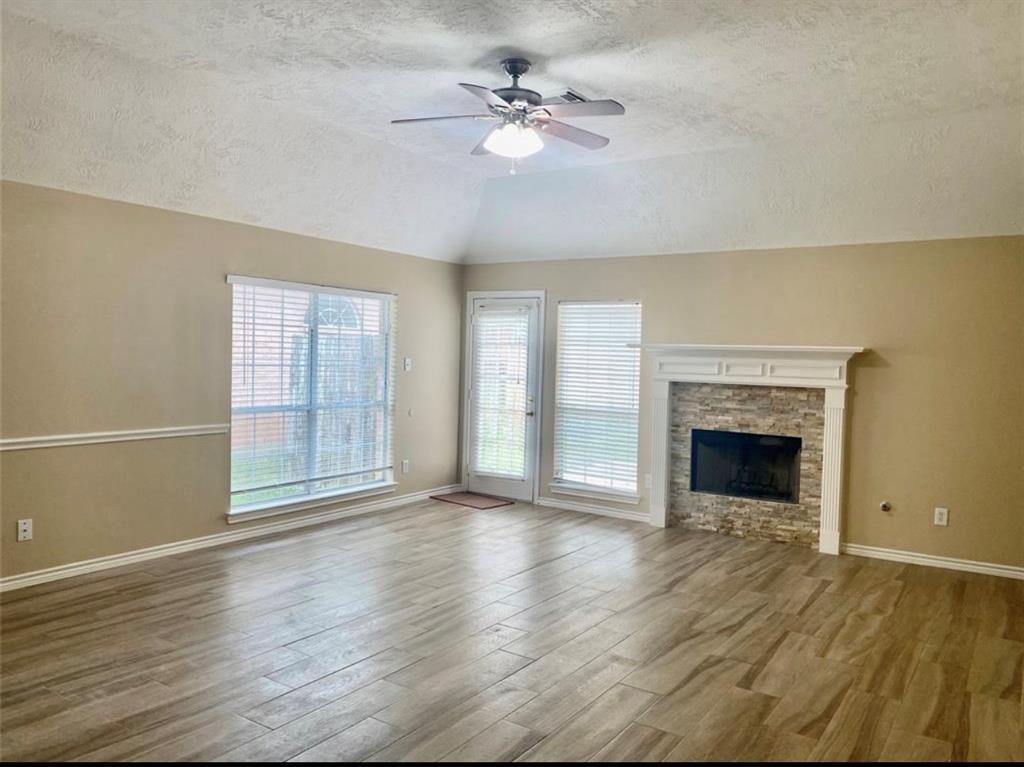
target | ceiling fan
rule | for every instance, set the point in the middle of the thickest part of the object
(522, 115)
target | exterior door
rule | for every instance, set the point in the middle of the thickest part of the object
(501, 396)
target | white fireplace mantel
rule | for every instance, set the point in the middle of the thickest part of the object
(821, 367)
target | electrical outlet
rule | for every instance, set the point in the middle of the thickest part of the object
(405, 466)
(24, 530)
(941, 516)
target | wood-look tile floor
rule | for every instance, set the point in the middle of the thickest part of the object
(440, 632)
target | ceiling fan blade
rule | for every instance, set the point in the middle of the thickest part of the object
(479, 148)
(492, 98)
(446, 117)
(583, 138)
(584, 108)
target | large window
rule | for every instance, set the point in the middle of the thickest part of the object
(597, 396)
(311, 391)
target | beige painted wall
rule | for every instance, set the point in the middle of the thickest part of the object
(936, 408)
(117, 316)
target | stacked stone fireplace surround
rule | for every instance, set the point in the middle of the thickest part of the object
(775, 410)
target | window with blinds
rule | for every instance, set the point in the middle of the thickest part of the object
(597, 396)
(311, 391)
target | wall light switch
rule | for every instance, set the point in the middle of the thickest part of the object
(405, 466)
(407, 364)
(941, 516)
(24, 529)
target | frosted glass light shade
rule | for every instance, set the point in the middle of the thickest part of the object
(513, 141)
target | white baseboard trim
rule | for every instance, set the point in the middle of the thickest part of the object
(929, 560)
(589, 508)
(217, 539)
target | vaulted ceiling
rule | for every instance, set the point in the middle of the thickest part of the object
(755, 124)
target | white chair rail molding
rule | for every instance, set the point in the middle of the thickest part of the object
(795, 367)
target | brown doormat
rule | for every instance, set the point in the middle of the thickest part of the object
(473, 500)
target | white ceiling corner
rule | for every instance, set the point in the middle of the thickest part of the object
(755, 124)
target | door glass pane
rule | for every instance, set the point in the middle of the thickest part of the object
(500, 361)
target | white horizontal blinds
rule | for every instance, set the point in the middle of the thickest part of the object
(352, 395)
(311, 390)
(501, 337)
(597, 395)
(269, 393)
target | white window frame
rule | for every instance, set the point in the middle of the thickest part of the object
(363, 490)
(598, 492)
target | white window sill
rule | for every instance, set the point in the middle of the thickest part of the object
(290, 506)
(598, 493)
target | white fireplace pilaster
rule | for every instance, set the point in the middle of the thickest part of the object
(832, 471)
(661, 426)
(823, 367)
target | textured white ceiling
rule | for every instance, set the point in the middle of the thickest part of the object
(276, 112)
(693, 75)
(82, 117)
(932, 178)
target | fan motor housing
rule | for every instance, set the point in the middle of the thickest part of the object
(515, 68)
(512, 95)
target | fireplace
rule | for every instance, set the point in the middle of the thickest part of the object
(741, 465)
(788, 390)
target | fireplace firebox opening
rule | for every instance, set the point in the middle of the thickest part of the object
(742, 465)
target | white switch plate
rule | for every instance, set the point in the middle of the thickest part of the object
(941, 516)
(407, 364)
(405, 466)
(24, 529)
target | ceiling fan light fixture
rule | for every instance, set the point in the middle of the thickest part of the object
(523, 113)
(513, 141)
